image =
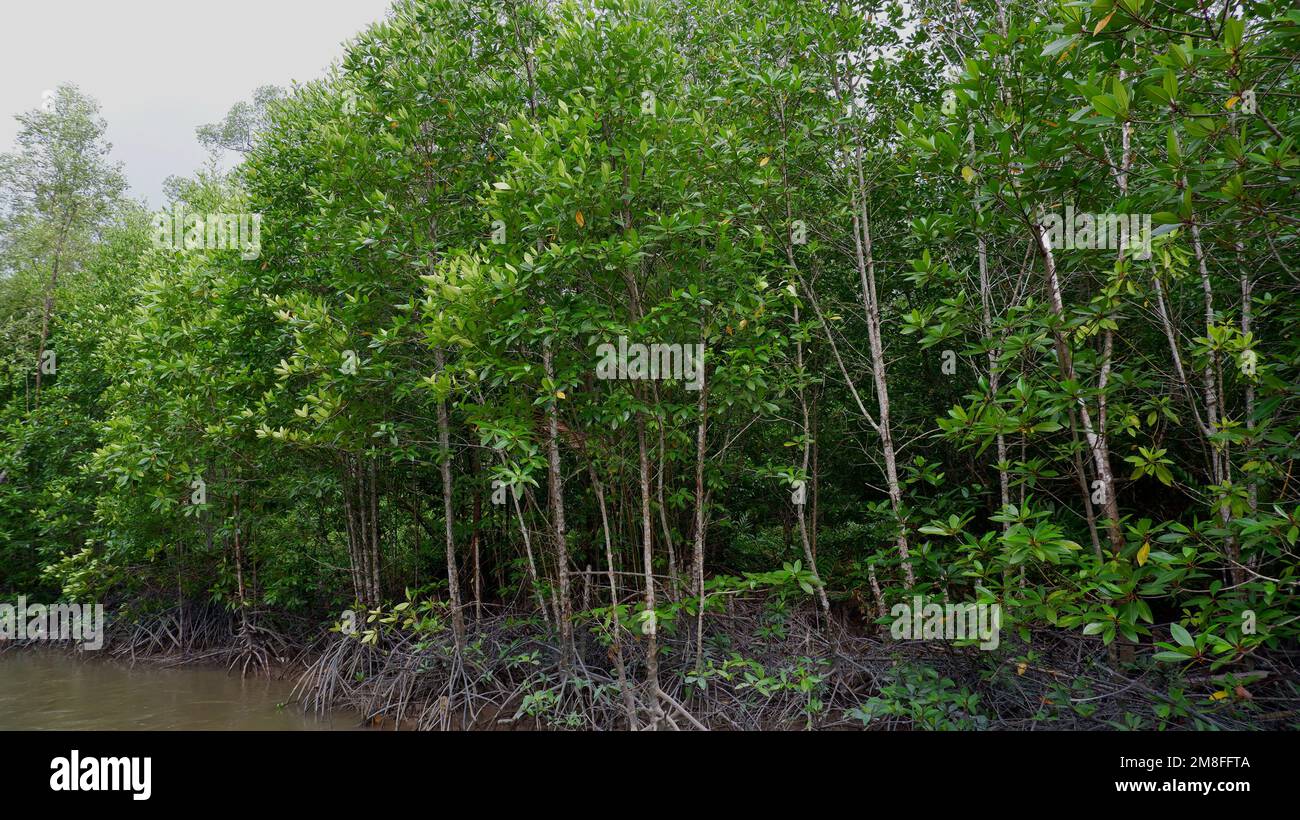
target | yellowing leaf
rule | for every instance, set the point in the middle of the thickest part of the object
(1220, 695)
(1021, 667)
(1231, 102)
(559, 394)
(1143, 553)
(968, 173)
(1102, 24)
(582, 223)
(762, 162)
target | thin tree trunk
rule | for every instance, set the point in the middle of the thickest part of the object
(663, 506)
(995, 374)
(1246, 308)
(362, 508)
(376, 588)
(701, 436)
(532, 565)
(799, 508)
(1214, 406)
(555, 488)
(239, 574)
(629, 703)
(1096, 439)
(48, 312)
(476, 522)
(871, 306)
(1082, 474)
(814, 516)
(444, 465)
(650, 627)
(349, 520)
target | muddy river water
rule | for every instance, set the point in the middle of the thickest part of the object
(51, 690)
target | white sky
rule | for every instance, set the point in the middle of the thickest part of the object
(159, 68)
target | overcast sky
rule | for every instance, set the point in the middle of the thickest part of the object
(159, 68)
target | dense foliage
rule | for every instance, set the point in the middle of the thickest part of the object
(910, 385)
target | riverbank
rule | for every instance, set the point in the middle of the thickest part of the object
(759, 667)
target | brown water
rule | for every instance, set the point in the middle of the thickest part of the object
(50, 690)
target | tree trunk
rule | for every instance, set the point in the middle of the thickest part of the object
(995, 374)
(871, 306)
(650, 627)
(48, 312)
(799, 508)
(629, 703)
(555, 489)
(476, 522)
(701, 433)
(444, 465)
(1096, 439)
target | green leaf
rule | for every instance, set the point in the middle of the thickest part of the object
(1232, 31)
(1057, 46)
(1106, 106)
(1181, 635)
